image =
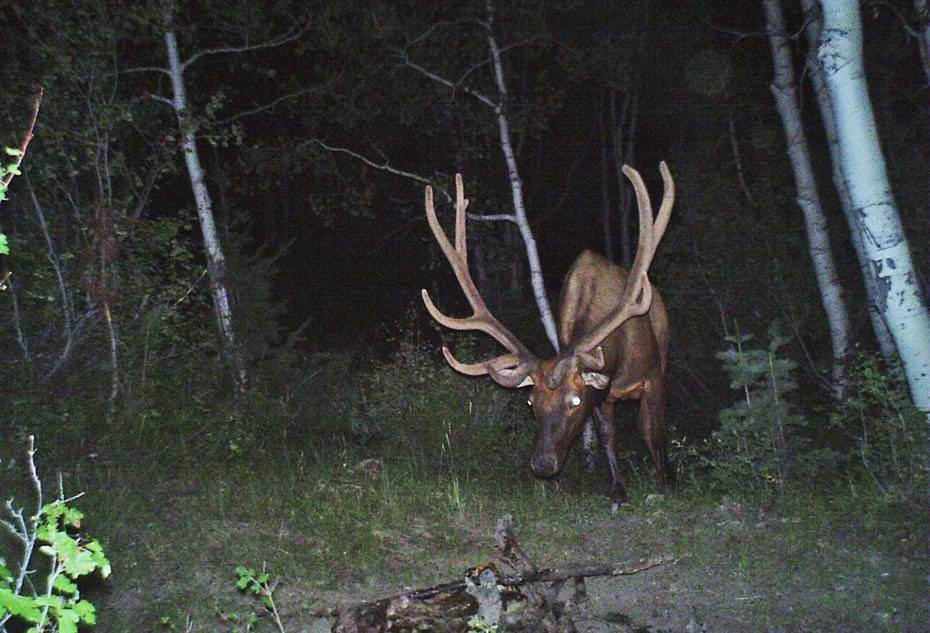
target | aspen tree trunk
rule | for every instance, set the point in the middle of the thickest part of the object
(516, 187)
(216, 261)
(831, 293)
(899, 295)
(813, 21)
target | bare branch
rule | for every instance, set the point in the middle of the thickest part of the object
(384, 166)
(168, 102)
(274, 42)
(503, 49)
(138, 69)
(499, 217)
(483, 98)
(267, 106)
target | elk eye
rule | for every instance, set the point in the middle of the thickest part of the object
(575, 401)
(529, 401)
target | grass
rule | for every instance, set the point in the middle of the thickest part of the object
(176, 527)
(178, 505)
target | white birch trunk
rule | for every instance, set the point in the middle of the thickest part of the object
(216, 261)
(516, 188)
(899, 295)
(813, 22)
(818, 240)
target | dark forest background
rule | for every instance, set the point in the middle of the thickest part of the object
(318, 126)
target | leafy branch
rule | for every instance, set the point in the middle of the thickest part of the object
(59, 606)
(260, 585)
(8, 171)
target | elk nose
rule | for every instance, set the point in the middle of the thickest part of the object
(545, 465)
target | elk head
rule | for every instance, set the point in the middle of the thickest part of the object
(566, 387)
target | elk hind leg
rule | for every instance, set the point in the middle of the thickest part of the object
(653, 429)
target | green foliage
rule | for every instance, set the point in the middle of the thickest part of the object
(759, 437)
(478, 625)
(416, 408)
(889, 435)
(259, 585)
(54, 603)
(11, 169)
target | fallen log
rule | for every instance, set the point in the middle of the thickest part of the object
(512, 592)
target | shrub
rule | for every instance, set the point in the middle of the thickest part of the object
(888, 434)
(417, 409)
(760, 437)
(51, 600)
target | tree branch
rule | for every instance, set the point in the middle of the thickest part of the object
(290, 36)
(267, 106)
(164, 100)
(483, 98)
(386, 166)
(138, 69)
(13, 169)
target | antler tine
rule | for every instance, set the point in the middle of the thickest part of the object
(505, 369)
(461, 203)
(646, 244)
(668, 198)
(637, 295)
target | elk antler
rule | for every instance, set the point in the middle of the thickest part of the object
(637, 295)
(508, 370)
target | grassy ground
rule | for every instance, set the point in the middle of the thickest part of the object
(176, 525)
(181, 491)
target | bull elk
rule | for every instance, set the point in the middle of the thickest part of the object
(613, 329)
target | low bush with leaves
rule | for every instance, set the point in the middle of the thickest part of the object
(51, 601)
(260, 585)
(417, 408)
(887, 433)
(760, 437)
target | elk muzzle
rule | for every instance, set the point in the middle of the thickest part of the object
(545, 463)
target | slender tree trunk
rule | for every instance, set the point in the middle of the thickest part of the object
(813, 21)
(624, 133)
(216, 261)
(516, 188)
(52, 254)
(737, 158)
(114, 363)
(899, 295)
(818, 240)
(606, 207)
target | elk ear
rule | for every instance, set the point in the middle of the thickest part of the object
(526, 382)
(593, 359)
(595, 379)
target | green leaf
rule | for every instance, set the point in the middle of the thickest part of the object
(86, 611)
(64, 585)
(67, 626)
(13, 151)
(4, 244)
(53, 602)
(21, 606)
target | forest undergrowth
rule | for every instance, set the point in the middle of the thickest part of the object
(369, 479)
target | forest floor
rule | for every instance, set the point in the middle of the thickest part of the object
(331, 532)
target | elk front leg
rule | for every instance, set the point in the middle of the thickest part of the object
(605, 417)
(652, 426)
(589, 443)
